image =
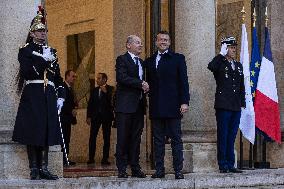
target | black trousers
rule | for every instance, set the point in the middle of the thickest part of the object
(95, 126)
(129, 131)
(66, 130)
(172, 129)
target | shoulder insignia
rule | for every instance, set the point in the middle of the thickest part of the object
(24, 45)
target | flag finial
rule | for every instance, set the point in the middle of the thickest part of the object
(266, 17)
(243, 14)
(254, 17)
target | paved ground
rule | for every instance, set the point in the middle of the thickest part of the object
(262, 179)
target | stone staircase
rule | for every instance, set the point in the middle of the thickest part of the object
(268, 178)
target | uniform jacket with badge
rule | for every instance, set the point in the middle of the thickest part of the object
(168, 83)
(230, 90)
(37, 117)
(129, 85)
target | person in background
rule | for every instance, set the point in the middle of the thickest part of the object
(100, 113)
(68, 112)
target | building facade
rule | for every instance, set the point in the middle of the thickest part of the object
(90, 34)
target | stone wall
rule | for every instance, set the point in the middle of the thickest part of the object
(275, 13)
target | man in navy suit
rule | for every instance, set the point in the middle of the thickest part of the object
(168, 98)
(130, 107)
(100, 113)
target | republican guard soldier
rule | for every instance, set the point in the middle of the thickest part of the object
(37, 123)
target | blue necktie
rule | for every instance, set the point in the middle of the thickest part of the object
(136, 60)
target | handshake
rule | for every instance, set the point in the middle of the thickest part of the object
(46, 54)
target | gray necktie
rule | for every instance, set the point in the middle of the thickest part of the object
(233, 65)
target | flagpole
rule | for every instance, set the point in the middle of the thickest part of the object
(265, 163)
(243, 12)
(251, 147)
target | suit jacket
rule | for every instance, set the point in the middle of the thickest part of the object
(129, 85)
(101, 107)
(230, 90)
(68, 105)
(168, 85)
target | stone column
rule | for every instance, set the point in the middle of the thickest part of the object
(15, 16)
(275, 152)
(195, 38)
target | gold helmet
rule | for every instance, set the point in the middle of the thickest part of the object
(38, 23)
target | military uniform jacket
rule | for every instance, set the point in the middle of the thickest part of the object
(37, 120)
(230, 90)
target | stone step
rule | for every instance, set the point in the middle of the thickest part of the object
(269, 178)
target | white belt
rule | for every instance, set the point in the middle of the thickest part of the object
(39, 81)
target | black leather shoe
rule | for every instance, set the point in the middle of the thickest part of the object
(138, 174)
(34, 174)
(122, 174)
(234, 170)
(224, 171)
(179, 175)
(158, 175)
(45, 174)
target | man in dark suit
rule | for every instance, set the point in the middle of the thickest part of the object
(229, 98)
(68, 112)
(168, 100)
(130, 107)
(100, 113)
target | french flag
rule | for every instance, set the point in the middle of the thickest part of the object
(267, 116)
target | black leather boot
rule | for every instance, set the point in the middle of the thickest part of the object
(32, 156)
(44, 172)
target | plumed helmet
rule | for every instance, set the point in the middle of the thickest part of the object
(38, 23)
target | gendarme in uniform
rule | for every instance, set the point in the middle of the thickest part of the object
(229, 98)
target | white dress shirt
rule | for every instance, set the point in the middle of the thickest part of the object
(159, 57)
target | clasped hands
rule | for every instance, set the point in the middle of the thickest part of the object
(183, 108)
(145, 86)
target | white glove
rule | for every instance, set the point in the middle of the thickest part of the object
(224, 49)
(46, 54)
(59, 104)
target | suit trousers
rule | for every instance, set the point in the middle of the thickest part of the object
(66, 130)
(171, 128)
(95, 126)
(129, 131)
(227, 128)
